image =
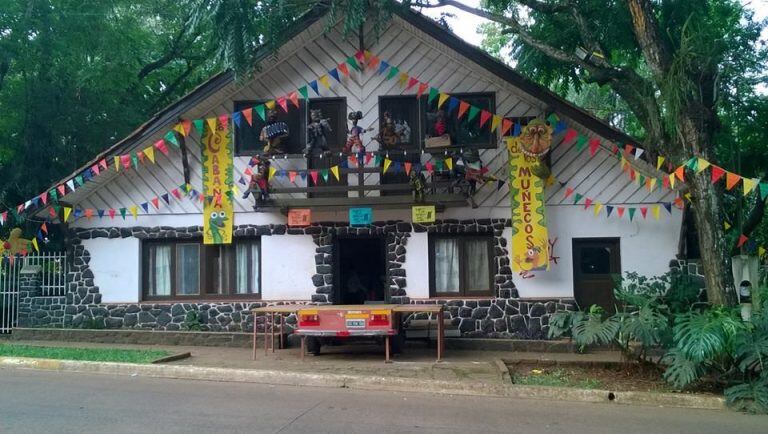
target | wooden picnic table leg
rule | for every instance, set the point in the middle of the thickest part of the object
(254, 336)
(272, 332)
(282, 321)
(303, 343)
(386, 349)
(266, 349)
(440, 335)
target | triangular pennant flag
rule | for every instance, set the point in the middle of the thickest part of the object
(429, 167)
(570, 136)
(176, 193)
(412, 82)
(335, 74)
(71, 182)
(34, 244)
(742, 239)
(655, 210)
(313, 174)
(442, 99)
(463, 107)
(577, 198)
(680, 173)
(568, 192)
(237, 118)
(393, 71)
(270, 104)
(665, 181)
(210, 124)
(672, 180)
(731, 179)
(383, 66)
(179, 128)
(668, 206)
(587, 203)
(303, 92)
(272, 171)
(473, 112)
(485, 115)
(433, 93)
(594, 143)
(145, 206)
(499, 184)
(95, 169)
(135, 211)
(449, 163)
(324, 81)
(701, 164)
(608, 210)
(135, 160)
(506, 125)
(335, 171)
(644, 211)
(407, 166)
(373, 63)
(749, 184)
(581, 142)
(156, 202)
(659, 162)
(44, 197)
(324, 173)
(352, 61)
(638, 152)
(199, 125)
(103, 164)
(761, 251)
(764, 190)
(292, 175)
(149, 152)
(631, 213)
(387, 163)
(402, 79)
(717, 173)
(598, 207)
(313, 85)
(283, 103)
(67, 211)
(166, 198)
(294, 98)
(620, 211)
(343, 68)
(261, 111)
(126, 160)
(422, 88)
(652, 184)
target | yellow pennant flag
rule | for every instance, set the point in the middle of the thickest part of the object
(623, 162)
(387, 162)
(117, 164)
(211, 123)
(637, 176)
(659, 162)
(149, 152)
(67, 212)
(598, 207)
(749, 185)
(652, 184)
(135, 211)
(761, 251)
(442, 99)
(324, 81)
(449, 163)
(235, 190)
(402, 79)
(270, 104)
(672, 180)
(335, 171)
(272, 172)
(179, 128)
(688, 196)
(656, 210)
(726, 225)
(34, 244)
(701, 164)
(495, 122)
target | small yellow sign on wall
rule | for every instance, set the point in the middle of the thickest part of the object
(423, 214)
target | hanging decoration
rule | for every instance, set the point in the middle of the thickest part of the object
(218, 209)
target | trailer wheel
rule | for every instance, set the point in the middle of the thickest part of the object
(397, 343)
(313, 345)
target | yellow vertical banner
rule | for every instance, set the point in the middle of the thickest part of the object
(218, 210)
(530, 246)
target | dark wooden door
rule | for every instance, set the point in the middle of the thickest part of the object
(595, 263)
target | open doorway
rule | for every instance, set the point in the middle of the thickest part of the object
(360, 270)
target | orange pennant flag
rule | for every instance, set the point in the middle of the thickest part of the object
(680, 173)
(463, 107)
(731, 179)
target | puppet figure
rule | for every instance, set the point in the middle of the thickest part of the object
(16, 245)
(535, 141)
(259, 184)
(317, 132)
(273, 134)
(469, 167)
(438, 135)
(418, 185)
(354, 134)
(388, 136)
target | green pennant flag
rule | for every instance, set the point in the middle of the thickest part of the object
(54, 195)
(393, 71)
(170, 136)
(304, 92)
(122, 213)
(631, 213)
(260, 111)
(377, 160)
(692, 163)
(642, 180)
(473, 112)
(553, 119)
(324, 174)
(79, 179)
(581, 142)
(439, 165)
(433, 93)
(353, 63)
(199, 126)
(577, 198)
(230, 194)
(57, 208)
(764, 190)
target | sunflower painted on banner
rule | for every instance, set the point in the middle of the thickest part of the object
(218, 209)
(530, 249)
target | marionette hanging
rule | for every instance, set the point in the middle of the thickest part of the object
(354, 135)
(437, 133)
(259, 184)
(15, 245)
(393, 133)
(273, 134)
(317, 132)
(470, 167)
(536, 140)
(418, 185)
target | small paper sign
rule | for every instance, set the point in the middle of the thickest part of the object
(423, 214)
(360, 216)
(299, 217)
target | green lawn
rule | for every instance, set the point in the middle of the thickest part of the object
(87, 354)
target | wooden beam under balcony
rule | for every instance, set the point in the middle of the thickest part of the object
(441, 202)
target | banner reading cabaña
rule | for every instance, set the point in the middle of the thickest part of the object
(530, 247)
(218, 211)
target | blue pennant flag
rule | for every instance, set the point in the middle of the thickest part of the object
(282, 173)
(335, 74)
(241, 180)
(453, 102)
(78, 212)
(383, 66)
(560, 126)
(237, 117)
(396, 167)
(145, 206)
(667, 206)
(344, 164)
(608, 210)
(313, 85)
(516, 131)
(100, 212)
(87, 175)
(166, 198)
(303, 175)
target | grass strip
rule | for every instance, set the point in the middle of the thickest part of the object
(84, 354)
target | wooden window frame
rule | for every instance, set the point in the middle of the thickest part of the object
(417, 138)
(204, 278)
(241, 104)
(493, 135)
(464, 291)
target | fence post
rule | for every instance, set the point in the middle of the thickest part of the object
(30, 287)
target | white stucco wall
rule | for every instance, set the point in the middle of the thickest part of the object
(287, 264)
(115, 264)
(417, 265)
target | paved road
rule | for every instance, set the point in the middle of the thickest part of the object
(37, 401)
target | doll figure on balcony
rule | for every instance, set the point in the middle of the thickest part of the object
(388, 137)
(438, 135)
(354, 135)
(418, 185)
(317, 132)
(259, 184)
(273, 134)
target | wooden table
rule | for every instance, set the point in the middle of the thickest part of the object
(287, 309)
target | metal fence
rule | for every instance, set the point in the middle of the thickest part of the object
(55, 267)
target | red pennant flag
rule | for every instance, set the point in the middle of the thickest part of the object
(111, 213)
(95, 169)
(156, 202)
(51, 211)
(614, 149)
(374, 62)
(485, 116)
(644, 211)
(224, 121)
(283, 103)
(422, 88)
(176, 193)
(679, 202)
(570, 135)
(680, 173)
(587, 203)
(313, 174)
(368, 157)
(620, 211)
(44, 197)
(360, 56)
(294, 97)
(292, 175)
(742, 239)
(568, 192)
(343, 68)
(126, 160)
(506, 125)
(407, 166)
(160, 145)
(44, 228)
(632, 175)
(731, 179)
(140, 154)
(463, 107)
(187, 124)
(665, 181)
(248, 115)
(717, 173)
(593, 145)
(429, 167)
(411, 82)
(62, 189)
(352, 159)
(103, 164)
(88, 213)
